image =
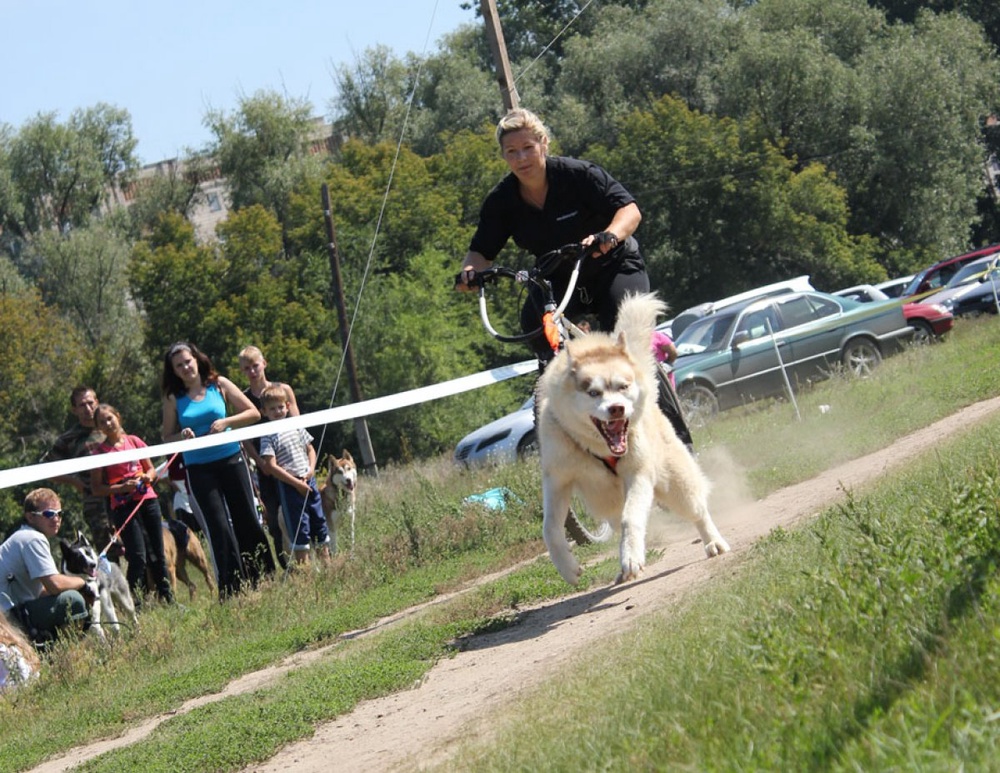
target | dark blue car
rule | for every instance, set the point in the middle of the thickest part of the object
(980, 297)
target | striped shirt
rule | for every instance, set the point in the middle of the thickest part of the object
(290, 450)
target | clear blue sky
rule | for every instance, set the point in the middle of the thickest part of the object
(167, 63)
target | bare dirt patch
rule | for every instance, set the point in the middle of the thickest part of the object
(419, 727)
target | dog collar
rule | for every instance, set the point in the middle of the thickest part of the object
(611, 462)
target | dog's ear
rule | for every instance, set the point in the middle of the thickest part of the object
(347, 456)
(65, 545)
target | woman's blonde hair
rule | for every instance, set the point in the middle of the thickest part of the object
(518, 119)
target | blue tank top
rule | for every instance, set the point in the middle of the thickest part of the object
(199, 415)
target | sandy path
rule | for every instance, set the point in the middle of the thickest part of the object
(418, 727)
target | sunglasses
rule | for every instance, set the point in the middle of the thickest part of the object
(48, 513)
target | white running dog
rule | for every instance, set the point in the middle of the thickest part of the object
(603, 438)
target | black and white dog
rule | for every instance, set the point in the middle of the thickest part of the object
(79, 558)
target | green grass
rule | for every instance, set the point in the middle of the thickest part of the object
(417, 540)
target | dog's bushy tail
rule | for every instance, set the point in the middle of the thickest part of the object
(637, 316)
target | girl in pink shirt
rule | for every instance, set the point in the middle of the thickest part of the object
(129, 485)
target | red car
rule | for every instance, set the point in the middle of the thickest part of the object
(935, 277)
(928, 320)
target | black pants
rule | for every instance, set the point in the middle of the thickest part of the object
(143, 540)
(239, 546)
(43, 618)
(267, 488)
(666, 398)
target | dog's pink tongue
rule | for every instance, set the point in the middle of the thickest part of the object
(616, 435)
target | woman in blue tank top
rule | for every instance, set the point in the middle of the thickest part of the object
(195, 401)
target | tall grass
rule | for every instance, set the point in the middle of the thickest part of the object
(417, 540)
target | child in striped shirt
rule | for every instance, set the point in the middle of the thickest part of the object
(289, 457)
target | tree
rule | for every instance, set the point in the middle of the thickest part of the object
(373, 95)
(635, 55)
(918, 167)
(453, 94)
(263, 150)
(985, 12)
(62, 174)
(174, 283)
(386, 203)
(40, 354)
(533, 26)
(169, 190)
(725, 210)
(793, 69)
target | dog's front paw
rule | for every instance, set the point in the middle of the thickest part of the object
(569, 570)
(716, 547)
(631, 569)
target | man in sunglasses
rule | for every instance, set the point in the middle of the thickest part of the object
(33, 593)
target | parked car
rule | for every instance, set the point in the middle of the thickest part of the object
(731, 357)
(979, 297)
(508, 438)
(928, 320)
(894, 287)
(688, 316)
(967, 276)
(937, 276)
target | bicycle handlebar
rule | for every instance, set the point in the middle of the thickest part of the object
(545, 265)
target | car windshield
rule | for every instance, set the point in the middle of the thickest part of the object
(969, 271)
(707, 334)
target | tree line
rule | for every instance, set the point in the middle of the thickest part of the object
(842, 139)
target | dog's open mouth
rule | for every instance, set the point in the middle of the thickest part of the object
(615, 433)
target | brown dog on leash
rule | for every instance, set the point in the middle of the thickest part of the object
(338, 493)
(180, 547)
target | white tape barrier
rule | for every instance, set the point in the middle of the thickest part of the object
(49, 470)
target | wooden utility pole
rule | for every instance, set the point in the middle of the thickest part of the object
(494, 33)
(360, 425)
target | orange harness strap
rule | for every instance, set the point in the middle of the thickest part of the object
(551, 331)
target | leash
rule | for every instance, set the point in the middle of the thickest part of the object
(103, 556)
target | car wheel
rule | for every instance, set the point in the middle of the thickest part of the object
(861, 356)
(698, 404)
(528, 445)
(922, 332)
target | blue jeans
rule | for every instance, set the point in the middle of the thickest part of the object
(304, 516)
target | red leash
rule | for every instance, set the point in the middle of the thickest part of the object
(104, 553)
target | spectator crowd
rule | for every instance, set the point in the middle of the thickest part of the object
(235, 495)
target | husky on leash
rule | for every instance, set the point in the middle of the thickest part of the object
(79, 558)
(603, 438)
(338, 494)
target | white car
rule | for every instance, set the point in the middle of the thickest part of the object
(507, 439)
(686, 317)
(894, 287)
